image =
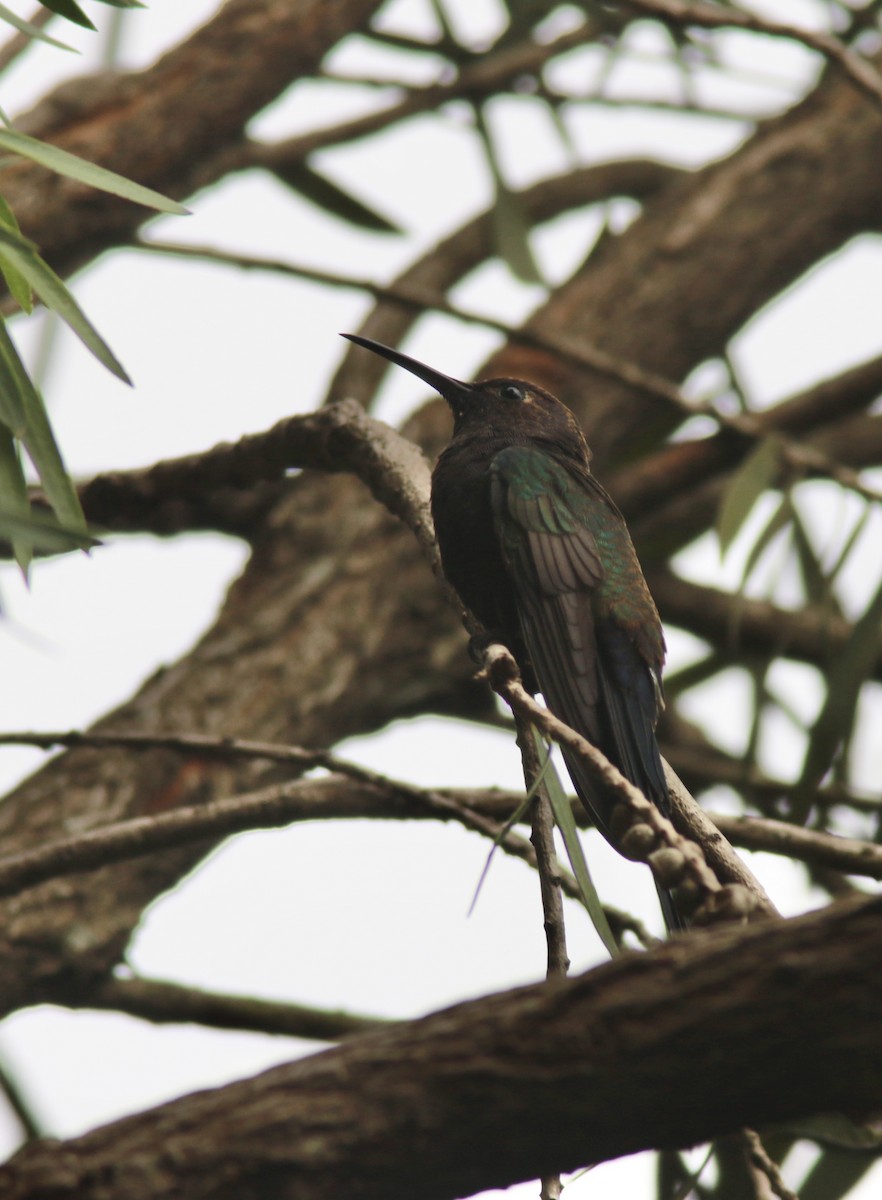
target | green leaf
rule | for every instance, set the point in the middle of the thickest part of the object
(64, 163)
(22, 255)
(15, 281)
(320, 191)
(835, 1174)
(838, 1130)
(32, 31)
(14, 385)
(516, 816)
(780, 519)
(36, 433)
(14, 504)
(42, 533)
(510, 225)
(753, 477)
(566, 823)
(123, 3)
(815, 581)
(852, 666)
(70, 11)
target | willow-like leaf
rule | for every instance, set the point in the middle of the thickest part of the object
(19, 288)
(14, 386)
(835, 1173)
(64, 163)
(22, 255)
(42, 533)
(34, 430)
(849, 671)
(510, 225)
(757, 473)
(566, 823)
(519, 813)
(14, 503)
(32, 31)
(780, 519)
(70, 10)
(330, 198)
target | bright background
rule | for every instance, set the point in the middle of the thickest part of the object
(216, 353)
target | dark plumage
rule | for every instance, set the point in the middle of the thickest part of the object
(541, 555)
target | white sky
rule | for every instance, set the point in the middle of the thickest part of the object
(213, 354)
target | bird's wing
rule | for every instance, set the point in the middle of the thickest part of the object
(553, 558)
(597, 660)
(593, 669)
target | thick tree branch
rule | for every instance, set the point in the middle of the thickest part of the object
(158, 126)
(577, 1068)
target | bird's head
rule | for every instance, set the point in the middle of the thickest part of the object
(490, 404)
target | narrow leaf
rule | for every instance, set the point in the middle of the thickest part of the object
(566, 823)
(14, 504)
(844, 680)
(516, 816)
(510, 225)
(326, 195)
(22, 254)
(835, 1173)
(44, 454)
(42, 533)
(814, 579)
(64, 163)
(70, 11)
(753, 477)
(32, 31)
(36, 433)
(15, 281)
(14, 385)
(780, 519)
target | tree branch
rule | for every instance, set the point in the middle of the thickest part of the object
(690, 12)
(576, 1068)
(640, 830)
(813, 846)
(162, 1002)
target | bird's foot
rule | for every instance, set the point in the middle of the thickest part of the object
(479, 643)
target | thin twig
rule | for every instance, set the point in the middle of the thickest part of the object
(350, 792)
(692, 821)
(542, 838)
(159, 1001)
(858, 70)
(760, 1158)
(650, 837)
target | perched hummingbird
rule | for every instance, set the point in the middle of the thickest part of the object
(539, 552)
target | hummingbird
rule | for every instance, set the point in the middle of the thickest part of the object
(541, 555)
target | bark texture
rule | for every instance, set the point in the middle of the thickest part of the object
(513, 1086)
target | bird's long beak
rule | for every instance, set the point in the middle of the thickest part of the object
(454, 391)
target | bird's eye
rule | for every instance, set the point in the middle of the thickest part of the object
(512, 392)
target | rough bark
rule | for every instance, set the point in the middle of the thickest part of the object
(629, 1056)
